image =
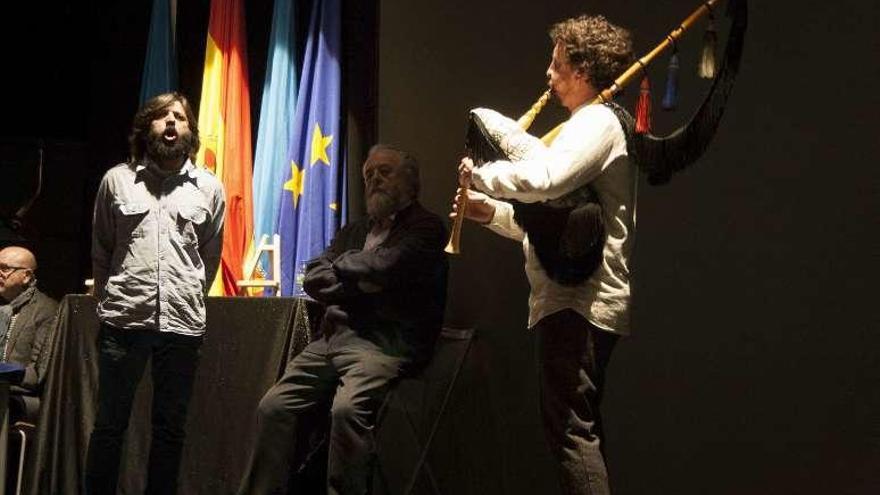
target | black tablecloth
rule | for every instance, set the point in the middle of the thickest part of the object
(246, 346)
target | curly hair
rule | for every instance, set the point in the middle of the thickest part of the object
(596, 47)
(154, 108)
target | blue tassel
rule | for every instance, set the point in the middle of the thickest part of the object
(670, 98)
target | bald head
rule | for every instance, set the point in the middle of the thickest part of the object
(17, 267)
(20, 256)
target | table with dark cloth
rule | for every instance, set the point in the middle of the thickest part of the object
(246, 346)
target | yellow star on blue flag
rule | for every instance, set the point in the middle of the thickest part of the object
(320, 143)
(295, 184)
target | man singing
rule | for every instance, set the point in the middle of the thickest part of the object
(157, 234)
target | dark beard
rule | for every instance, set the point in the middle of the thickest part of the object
(381, 205)
(159, 150)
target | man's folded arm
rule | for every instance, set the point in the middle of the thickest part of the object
(415, 256)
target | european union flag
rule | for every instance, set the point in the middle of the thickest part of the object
(160, 63)
(312, 195)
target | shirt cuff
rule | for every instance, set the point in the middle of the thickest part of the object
(502, 222)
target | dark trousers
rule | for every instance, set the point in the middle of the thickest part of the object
(122, 357)
(572, 356)
(350, 372)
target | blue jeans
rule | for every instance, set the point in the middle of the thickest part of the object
(122, 357)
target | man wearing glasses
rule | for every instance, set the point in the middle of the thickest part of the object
(27, 318)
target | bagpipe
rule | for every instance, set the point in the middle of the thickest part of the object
(568, 233)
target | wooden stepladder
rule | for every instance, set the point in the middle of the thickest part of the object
(273, 251)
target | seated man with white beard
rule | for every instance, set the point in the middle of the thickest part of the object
(383, 284)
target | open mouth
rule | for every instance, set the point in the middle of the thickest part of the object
(170, 135)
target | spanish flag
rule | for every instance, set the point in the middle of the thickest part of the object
(225, 131)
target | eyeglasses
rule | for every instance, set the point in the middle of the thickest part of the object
(7, 270)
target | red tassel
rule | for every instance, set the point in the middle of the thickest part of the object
(643, 108)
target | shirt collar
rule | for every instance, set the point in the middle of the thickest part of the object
(147, 165)
(580, 107)
(388, 224)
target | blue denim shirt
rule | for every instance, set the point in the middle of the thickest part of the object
(156, 245)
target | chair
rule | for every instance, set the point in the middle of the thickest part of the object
(20, 431)
(408, 419)
(24, 411)
(411, 414)
(10, 374)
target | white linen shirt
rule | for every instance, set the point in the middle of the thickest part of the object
(590, 149)
(156, 244)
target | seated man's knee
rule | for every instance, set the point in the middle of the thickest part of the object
(351, 411)
(344, 410)
(271, 408)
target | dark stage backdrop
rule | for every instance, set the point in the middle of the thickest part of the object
(72, 84)
(753, 364)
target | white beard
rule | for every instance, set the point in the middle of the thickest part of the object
(381, 205)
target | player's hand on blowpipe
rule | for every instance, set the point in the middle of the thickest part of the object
(479, 207)
(465, 172)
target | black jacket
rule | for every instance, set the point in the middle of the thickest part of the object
(28, 344)
(409, 268)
